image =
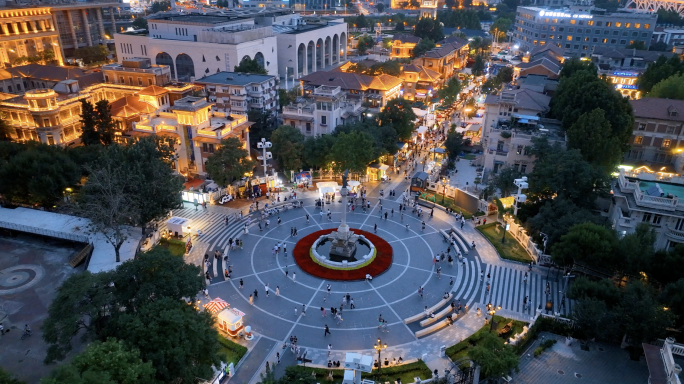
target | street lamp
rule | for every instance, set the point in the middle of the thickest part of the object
(505, 226)
(444, 183)
(379, 347)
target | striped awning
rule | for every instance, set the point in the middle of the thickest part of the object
(216, 305)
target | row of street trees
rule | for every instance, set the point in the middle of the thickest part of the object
(351, 146)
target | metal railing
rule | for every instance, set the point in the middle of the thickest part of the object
(45, 232)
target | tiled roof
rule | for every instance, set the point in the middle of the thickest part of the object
(544, 62)
(353, 81)
(446, 47)
(153, 90)
(621, 53)
(655, 108)
(130, 106)
(405, 38)
(524, 99)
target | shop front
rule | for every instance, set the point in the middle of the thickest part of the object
(192, 196)
(377, 172)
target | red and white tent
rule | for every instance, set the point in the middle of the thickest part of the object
(215, 306)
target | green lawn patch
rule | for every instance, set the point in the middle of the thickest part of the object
(177, 247)
(469, 157)
(405, 372)
(511, 250)
(229, 351)
(460, 350)
(431, 197)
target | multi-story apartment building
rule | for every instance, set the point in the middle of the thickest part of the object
(373, 91)
(197, 130)
(137, 71)
(196, 45)
(580, 29)
(657, 140)
(19, 79)
(510, 121)
(450, 55)
(640, 196)
(238, 93)
(320, 114)
(402, 46)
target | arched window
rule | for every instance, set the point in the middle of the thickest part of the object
(164, 58)
(185, 67)
(259, 57)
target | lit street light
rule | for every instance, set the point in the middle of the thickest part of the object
(379, 347)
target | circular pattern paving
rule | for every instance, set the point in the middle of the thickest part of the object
(19, 278)
(309, 264)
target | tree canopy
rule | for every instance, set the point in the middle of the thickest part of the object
(499, 28)
(670, 88)
(592, 135)
(365, 43)
(662, 69)
(229, 162)
(460, 18)
(423, 46)
(429, 28)
(109, 362)
(352, 151)
(399, 114)
(570, 67)
(478, 66)
(248, 65)
(450, 91)
(494, 356)
(288, 143)
(587, 243)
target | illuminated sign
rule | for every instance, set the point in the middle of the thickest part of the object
(625, 86)
(563, 14)
(625, 74)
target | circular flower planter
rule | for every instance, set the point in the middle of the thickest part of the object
(375, 263)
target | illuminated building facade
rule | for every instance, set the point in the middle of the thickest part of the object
(579, 30)
(402, 46)
(27, 33)
(450, 56)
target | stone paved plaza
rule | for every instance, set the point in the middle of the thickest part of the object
(392, 295)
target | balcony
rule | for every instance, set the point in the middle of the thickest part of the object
(644, 200)
(220, 126)
(674, 234)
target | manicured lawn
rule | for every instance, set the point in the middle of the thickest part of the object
(405, 372)
(448, 203)
(229, 351)
(460, 350)
(511, 250)
(177, 247)
(469, 157)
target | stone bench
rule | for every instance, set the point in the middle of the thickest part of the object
(434, 328)
(460, 236)
(438, 316)
(431, 309)
(461, 244)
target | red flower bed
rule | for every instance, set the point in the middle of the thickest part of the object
(382, 261)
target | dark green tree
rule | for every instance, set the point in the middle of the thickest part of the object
(555, 217)
(389, 67)
(505, 74)
(429, 28)
(286, 97)
(659, 71)
(37, 174)
(570, 67)
(503, 180)
(248, 65)
(89, 133)
(361, 22)
(365, 43)
(111, 362)
(499, 28)
(641, 316)
(589, 244)
(288, 143)
(460, 18)
(380, 7)
(87, 303)
(449, 92)
(636, 250)
(140, 23)
(454, 144)
(670, 88)
(494, 356)
(263, 127)
(229, 162)
(92, 54)
(673, 298)
(8, 378)
(593, 136)
(582, 93)
(353, 151)
(660, 46)
(423, 46)
(603, 290)
(638, 44)
(664, 265)
(154, 330)
(6, 130)
(104, 125)
(591, 318)
(478, 66)
(399, 114)
(316, 150)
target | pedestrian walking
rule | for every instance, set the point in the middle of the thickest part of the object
(375, 228)
(251, 300)
(439, 272)
(525, 278)
(420, 292)
(327, 331)
(303, 309)
(323, 313)
(295, 311)
(277, 290)
(286, 272)
(329, 349)
(294, 277)
(267, 288)
(351, 302)
(307, 218)
(242, 284)
(256, 294)
(481, 275)
(423, 226)
(392, 212)
(451, 281)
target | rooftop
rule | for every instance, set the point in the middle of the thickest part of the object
(622, 53)
(234, 78)
(655, 108)
(523, 98)
(353, 81)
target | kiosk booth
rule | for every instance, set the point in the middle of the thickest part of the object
(419, 182)
(178, 225)
(229, 320)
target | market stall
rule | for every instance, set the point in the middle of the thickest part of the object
(177, 226)
(377, 172)
(354, 187)
(229, 319)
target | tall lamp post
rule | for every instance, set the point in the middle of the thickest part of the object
(379, 347)
(505, 226)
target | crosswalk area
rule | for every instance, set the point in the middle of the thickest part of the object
(508, 289)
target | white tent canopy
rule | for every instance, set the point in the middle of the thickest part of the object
(422, 129)
(324, 190)
(353, 183)
(419, 112)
